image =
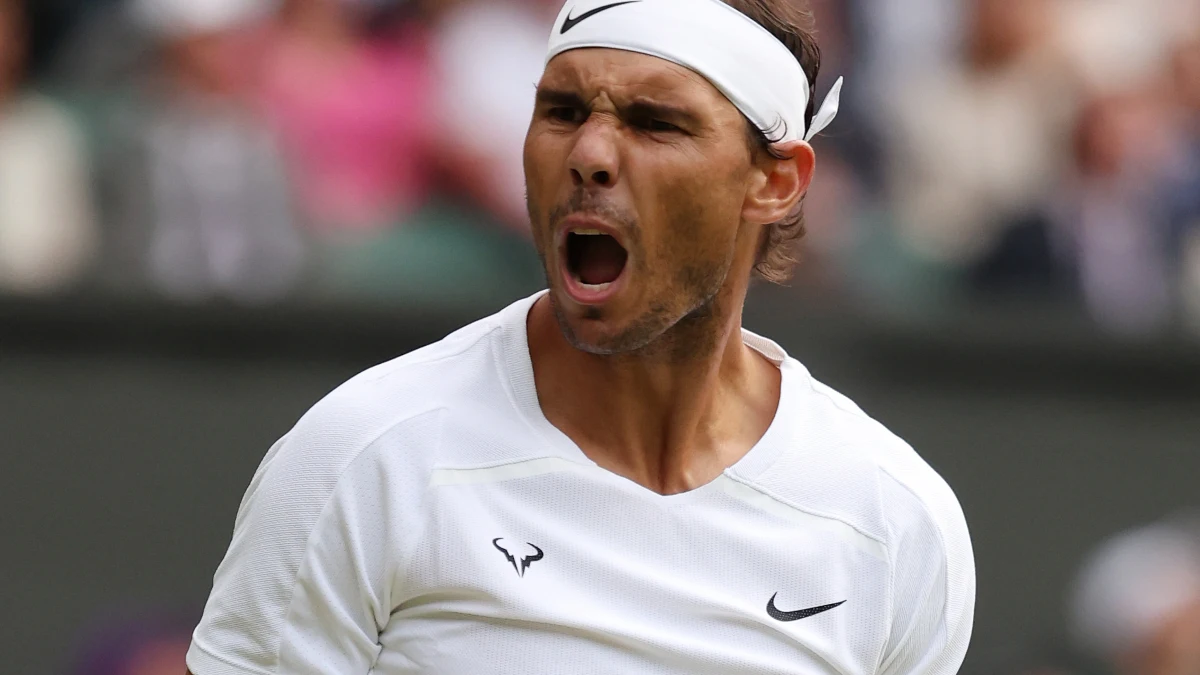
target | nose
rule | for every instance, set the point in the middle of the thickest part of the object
(594, 160)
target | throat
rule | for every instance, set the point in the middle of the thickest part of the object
(670, 426)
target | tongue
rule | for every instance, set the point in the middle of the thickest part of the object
(601, 260)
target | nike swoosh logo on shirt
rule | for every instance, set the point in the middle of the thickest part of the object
(570, 23)
(781, 615)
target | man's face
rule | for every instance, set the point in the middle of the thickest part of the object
(637, 171)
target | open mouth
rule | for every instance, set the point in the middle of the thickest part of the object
(594, 259)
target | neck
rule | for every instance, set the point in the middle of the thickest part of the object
(671, 417)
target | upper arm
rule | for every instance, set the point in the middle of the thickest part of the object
(933, 584)
(304, 586)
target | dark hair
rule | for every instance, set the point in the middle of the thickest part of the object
(792, 23)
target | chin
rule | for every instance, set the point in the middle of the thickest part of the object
(603, 330)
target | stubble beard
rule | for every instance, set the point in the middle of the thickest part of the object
(663, 331)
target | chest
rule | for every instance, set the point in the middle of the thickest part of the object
(579, 571)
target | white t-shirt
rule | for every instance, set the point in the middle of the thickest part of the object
(425, 517)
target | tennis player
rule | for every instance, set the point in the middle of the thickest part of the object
(612, 476)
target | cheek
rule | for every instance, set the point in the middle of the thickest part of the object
(540, 164)
(545, 156)
(532, 166)
(697, 215)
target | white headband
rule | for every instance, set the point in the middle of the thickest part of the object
(753, 69)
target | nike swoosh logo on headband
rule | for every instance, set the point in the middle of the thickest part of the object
(572, 22)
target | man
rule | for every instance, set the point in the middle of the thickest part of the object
(612, 476)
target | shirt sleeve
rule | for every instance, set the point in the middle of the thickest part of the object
(933, 582)
(304, 587)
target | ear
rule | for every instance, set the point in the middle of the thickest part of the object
(777, 185)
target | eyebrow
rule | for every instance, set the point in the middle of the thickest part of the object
(639, 107)
(546, 96)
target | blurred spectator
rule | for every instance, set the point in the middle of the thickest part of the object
(1118, 217)
(1186, 72)
(406, 138)
(1129, 206)
(488, 57)
(895, 41)
(202, 185)
(151, 644)
(902, 37)
(47, 228)
(352, 108)
(974, 147)
(1136, 603)
(1113, 45)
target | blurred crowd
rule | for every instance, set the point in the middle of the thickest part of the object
(253, 151)
(257, 150)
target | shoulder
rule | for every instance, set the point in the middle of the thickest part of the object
(884, 488)
(841, 463)
(338, 502)
(383, 429)
(910, 488)
(457, 373)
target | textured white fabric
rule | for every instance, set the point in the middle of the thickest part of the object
(755, 71)
(375, 539)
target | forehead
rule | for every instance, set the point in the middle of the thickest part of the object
(620, 73)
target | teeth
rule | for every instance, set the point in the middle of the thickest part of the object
(587, 233)
(595, 287)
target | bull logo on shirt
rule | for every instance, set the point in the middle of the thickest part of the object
(526, 560)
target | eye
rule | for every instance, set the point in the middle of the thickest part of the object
(565, 114)
(654, 125)
(659, 125)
